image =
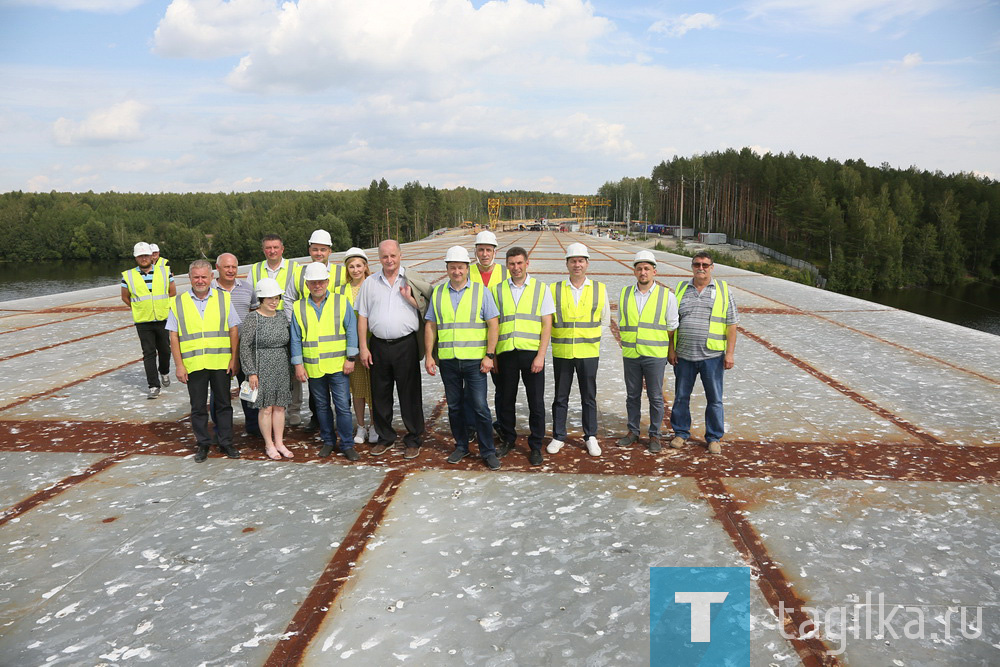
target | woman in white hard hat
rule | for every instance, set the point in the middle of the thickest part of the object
(356, 262)
(264, 337)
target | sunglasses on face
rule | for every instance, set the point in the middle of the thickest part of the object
(701, 265)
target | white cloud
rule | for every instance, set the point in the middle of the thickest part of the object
(115, 124)
(432, 46)
(677, 27)
(109, 6)
(912, 60)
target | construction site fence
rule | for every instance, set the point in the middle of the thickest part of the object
(818, 280)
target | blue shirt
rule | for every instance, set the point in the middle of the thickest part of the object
(489, 309)
(234, 319)
(350, 328)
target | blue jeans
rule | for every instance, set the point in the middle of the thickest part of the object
(321, 389)
(465, 388)
(651, 369)
(711, 372)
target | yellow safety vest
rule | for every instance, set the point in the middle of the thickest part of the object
(497, 276)
(576, 327)
(717, 321)
(289, 274)
(645, 334)
(521, 325)
(204, 339)
(324, 338)
(162, 261)
(462, 332)
(148, 305)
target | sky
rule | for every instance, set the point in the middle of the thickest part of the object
(557, 96)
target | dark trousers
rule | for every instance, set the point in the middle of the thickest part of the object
(586, 375)
(396, 363)
(513, 366)
(222, 408)
(465, 386)
(155, 342)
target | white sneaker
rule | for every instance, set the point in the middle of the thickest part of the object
(360, 436)
(372, 434)
(164, 379)
(554, 446)
(593, 448)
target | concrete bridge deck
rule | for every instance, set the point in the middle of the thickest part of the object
(861, 458)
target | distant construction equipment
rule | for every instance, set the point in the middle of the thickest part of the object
(578, 206)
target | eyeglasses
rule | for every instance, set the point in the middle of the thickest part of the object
(701, 265)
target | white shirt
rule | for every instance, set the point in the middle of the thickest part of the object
(548, 305)
(577, 293)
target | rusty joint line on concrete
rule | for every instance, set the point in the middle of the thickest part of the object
(41, 394)
(307, 621)
(65, 342)
(912, 429)
(771, 580)
(51, 492)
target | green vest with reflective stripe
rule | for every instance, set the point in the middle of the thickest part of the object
(644, 334)
(576, 327)
(324, 338)
(289, 274)
(717, 321)
(148, 305)
(204, 339)
(520, 325)
(461, 332)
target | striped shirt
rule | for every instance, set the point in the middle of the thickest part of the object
(148, 277)
(694, 311)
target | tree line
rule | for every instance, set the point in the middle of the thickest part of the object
(105, 226)
(865, 227)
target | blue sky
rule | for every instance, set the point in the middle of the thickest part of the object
(563, 95)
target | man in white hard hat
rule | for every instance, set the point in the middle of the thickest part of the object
(391, 305)
(582, 311)
(486, 271)
(157, 260)
(320, 247)
(205, 346)
(647, 317)
(146, 289)
(705, 345)
(463, 318)
(324, 347)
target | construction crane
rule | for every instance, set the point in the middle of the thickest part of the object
(579, 206)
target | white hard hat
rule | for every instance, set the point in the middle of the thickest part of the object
(644, 256)
(577, 250)
(154, 247)
(457, 253)
(141, 248)
(486, 238)
(321, 237)
(268, 287)
(316, 271)
(355, 252)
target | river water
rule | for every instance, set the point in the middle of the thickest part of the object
(974, 305)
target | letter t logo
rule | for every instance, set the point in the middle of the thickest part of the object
(701, 611)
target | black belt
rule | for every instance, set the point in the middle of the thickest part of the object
(390, 341)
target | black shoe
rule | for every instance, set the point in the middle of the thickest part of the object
(326, 450)
(312, 426)
(504, 448)
(351, 454)
(230, 451)
(492, 462)
(457, 455)
(535, 457)
(201, 454)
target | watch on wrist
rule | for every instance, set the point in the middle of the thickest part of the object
(351, 358)
(491, 355)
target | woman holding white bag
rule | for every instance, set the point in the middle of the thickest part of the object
(264, 337)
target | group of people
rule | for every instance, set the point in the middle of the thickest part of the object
(354, 336)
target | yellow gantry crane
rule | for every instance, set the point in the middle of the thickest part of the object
(579, 206)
